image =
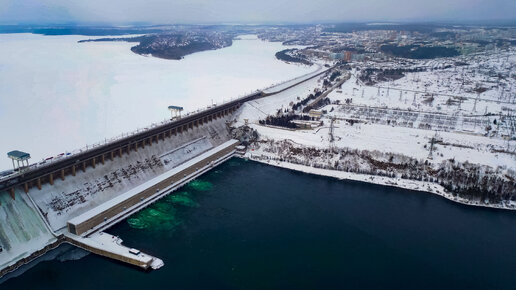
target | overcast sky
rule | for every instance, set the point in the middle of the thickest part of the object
(250, 11)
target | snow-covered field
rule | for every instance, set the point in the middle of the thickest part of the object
(378, 124)
(410, 142)
(371, 136)
(57, 95)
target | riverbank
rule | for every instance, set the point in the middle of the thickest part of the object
(423, 186)
(247, 225)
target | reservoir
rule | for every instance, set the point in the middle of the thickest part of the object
(91, 92)
(245, 225)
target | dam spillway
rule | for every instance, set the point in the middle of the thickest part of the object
(83, 229)
(38, 203)
(49, 209)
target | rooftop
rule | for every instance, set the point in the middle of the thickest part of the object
(18, 155)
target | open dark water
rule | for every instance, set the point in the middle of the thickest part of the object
(246, 225)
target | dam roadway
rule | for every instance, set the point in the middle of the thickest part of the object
(60, 168)
(36, 176)
(94, 204)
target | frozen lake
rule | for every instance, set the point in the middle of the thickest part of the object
(57, 95)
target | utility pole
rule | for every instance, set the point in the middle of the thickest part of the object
(432, 142)
(332, 138)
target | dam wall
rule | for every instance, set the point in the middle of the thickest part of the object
(37, 203)
(132, 200)
(68, 198)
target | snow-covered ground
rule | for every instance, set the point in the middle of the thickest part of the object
(382, 122)
(380, 180)
(487, 70)
(406, 97)
(258, 109)
(82, 93)
(410, 142)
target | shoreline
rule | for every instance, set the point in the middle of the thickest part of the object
(415, 185)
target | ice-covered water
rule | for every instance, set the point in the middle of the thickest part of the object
(57, 95)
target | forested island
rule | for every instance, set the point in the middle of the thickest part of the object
(174, 46)
(289, 55)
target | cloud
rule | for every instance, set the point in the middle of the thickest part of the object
(246, 11)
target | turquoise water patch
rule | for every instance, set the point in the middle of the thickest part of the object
(182, 198)
(162, 215)
(200, 185)
(159, 216)
(137, 223)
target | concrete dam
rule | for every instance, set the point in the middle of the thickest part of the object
(73, 200)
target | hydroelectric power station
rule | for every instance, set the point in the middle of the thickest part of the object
(75, 198)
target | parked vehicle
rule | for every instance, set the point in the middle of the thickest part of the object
(134, 251)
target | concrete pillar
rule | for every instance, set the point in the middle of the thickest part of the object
(120, 152)
(102, 159)
(11, 193)
(51, 178)
(26, 187)
(84, 166)
(93, 162)
(73, 170)
(62, 174)
(112, 155)
(136, 146)
(38, 182)
(143, 143)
